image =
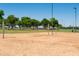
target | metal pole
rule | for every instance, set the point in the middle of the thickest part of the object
(52, 16)
(48, 29)
(52, 10)
(3, 28)
(75, 18)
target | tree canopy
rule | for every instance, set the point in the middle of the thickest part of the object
(1, 16)
(26, 21)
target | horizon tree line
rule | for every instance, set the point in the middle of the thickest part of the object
(26, 22)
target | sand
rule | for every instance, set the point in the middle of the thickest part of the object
(40, 44)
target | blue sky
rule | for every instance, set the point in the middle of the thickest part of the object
(34, 10)
(64, 12)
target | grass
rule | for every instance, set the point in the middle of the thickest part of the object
(64, 30)
(23, 31)
(31, 31)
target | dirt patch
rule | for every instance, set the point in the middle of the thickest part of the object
(58, 43)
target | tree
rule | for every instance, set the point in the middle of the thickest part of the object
(60, 26)
(11, 19)
(6, 22)
(19, 23)
(35, 23)
(26, 22)
(54, 22)
(16, 21)
(45, 23)
(1, 16)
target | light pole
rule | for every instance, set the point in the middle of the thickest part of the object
(52, 16)
(52, 11)
(75, 18)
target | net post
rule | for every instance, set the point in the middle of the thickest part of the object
(3, 36)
